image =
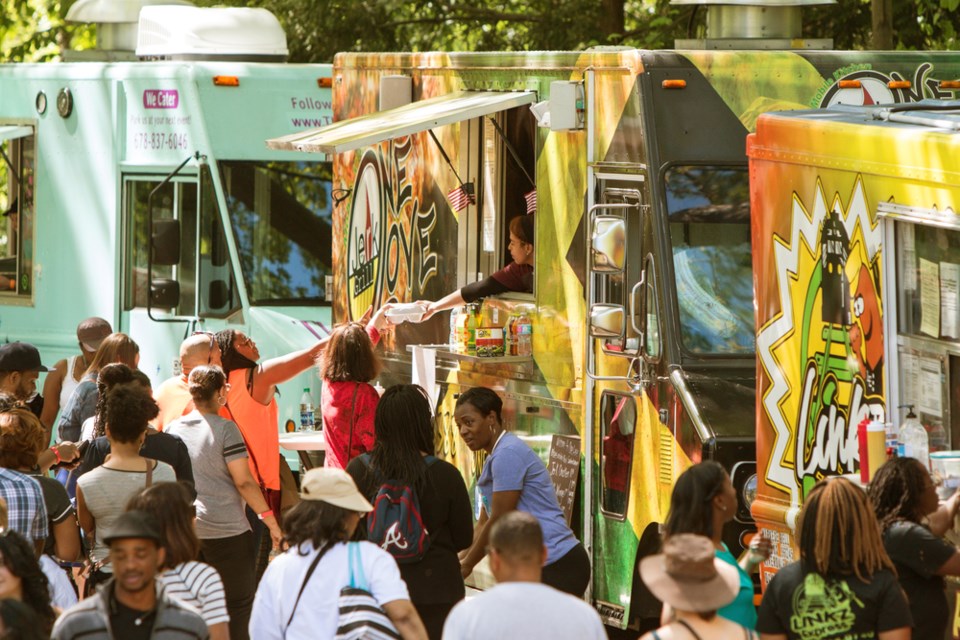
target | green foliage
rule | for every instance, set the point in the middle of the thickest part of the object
(35, 31)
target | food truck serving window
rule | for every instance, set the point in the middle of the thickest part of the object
(17, 161)
(709, 209)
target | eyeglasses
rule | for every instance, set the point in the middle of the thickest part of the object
(245, 342)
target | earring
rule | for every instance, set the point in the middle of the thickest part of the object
(222, 400)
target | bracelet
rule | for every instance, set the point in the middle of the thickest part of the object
(56, 452)
(265, 514)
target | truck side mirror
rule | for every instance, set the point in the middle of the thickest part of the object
(606, 321)
(218, 246)
(608, 244)
(164, 293)
(165, 242)
(218, 295)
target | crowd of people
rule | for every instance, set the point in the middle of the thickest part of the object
(168, 533)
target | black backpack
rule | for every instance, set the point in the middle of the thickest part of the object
(395, 524)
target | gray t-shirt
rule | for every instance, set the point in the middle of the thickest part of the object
(213, 442)
(106, 493)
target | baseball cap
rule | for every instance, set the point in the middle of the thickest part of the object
(92, 331)
(20, 356)
(334, 486)
(134, 524)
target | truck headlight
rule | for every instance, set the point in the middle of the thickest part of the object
(749, 491)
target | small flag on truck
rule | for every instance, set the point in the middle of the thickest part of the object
(461, 196)
(531, 199)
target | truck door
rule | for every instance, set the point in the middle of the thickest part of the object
(622, 353)
(188, 274)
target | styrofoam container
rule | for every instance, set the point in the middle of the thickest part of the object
(945, 468)
(406, 312)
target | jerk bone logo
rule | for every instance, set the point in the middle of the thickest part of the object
(823, 352)
(389, 235)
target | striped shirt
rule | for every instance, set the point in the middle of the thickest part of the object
(198, 585)
(26, 511)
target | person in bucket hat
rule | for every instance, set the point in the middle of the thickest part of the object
(695, 583)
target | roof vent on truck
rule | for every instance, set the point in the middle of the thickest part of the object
(116, 22)
(218, 33)
(753, 24)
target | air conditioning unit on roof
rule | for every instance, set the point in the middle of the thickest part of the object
(192, 33)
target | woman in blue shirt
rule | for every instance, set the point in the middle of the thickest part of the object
(703, 501)
(514, 478)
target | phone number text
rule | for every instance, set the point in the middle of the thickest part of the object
(159, 140)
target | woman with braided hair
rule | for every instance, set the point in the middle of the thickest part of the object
(905, 501)
(22, 579)
(845, 585)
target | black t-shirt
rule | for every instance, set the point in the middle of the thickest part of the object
(918, 555)
(156, 446)
(448, 517)
(811, 607)
(131, 624)
(58, 505)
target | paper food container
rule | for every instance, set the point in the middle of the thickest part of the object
(406, 312)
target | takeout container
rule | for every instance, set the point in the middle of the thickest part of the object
(406, 312)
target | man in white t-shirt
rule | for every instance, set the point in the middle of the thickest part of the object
(520, 606)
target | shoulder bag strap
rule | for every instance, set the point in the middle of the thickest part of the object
(358, 579)
(149, 480)
(353, 416)
(683, 623)
(306, 579)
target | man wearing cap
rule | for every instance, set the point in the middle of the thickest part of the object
(173, 395)
(19, 369)
(520, 606)
(65, 375)
(132, 605)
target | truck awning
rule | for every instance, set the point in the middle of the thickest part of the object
(402, 121)
(14, 131)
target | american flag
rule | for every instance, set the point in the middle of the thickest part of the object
(461, 196)
(531, 199)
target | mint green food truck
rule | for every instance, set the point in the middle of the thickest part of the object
(135, 186)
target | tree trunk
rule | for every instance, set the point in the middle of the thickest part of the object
(882, 13)
(611, 17)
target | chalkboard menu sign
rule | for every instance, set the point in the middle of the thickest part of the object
(564, 468)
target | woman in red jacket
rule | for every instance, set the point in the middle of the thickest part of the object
(348, 402)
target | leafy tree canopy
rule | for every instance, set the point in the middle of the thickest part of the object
(34, 30)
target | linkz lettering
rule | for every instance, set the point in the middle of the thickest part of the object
(834, 389)
(874, 87)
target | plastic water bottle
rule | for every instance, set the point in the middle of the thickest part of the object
(913, 439)
(306, 411)
(455, 329)
(937, 437)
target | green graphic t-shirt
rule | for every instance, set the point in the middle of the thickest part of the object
(811, 607)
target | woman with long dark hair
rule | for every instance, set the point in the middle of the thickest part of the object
(21, 578)
(515, 478)
(195, 583)
(403, 451)
(703, 501)
(903, 496)
(298, 596)
(845, 584)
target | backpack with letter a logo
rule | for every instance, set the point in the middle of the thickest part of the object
(395, 524)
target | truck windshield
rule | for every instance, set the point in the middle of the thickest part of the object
(709, 209)
(281, 218)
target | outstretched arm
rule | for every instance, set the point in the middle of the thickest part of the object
(449, 301)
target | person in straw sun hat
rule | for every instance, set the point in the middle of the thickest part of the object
(298, 595)
(695, 583)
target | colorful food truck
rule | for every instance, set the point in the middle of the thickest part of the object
(141, 191)
(633, 164)
(857, 239)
